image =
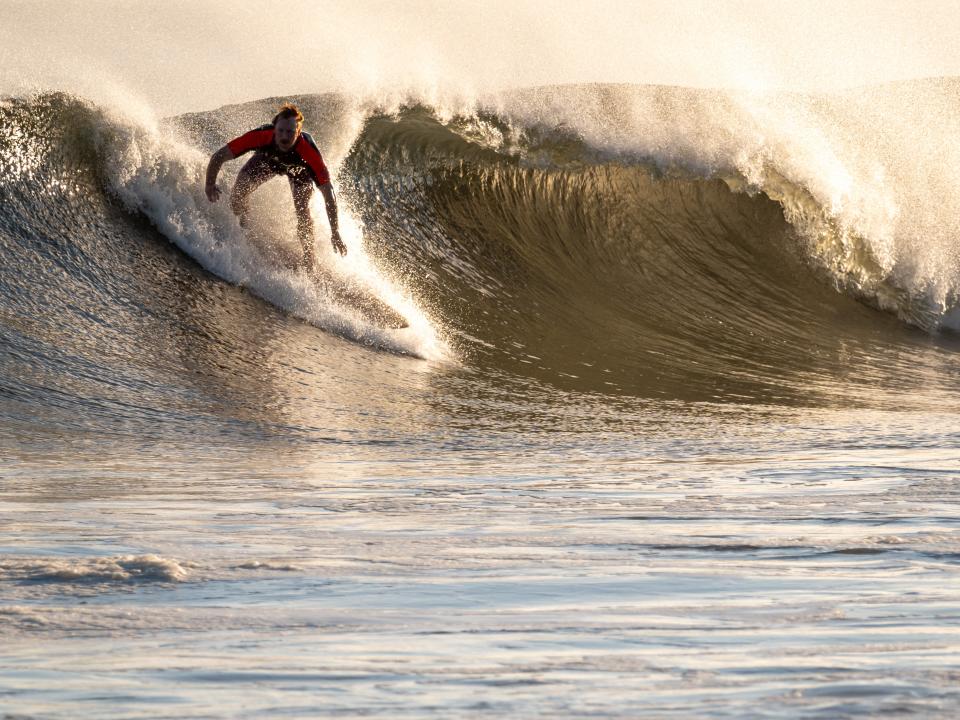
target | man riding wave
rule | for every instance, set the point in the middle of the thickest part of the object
(280, 148)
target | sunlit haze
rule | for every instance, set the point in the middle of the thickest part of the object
(182, 56)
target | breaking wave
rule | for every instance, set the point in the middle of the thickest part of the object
(649, 240)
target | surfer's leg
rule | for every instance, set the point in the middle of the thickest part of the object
(302, 189)
(251, 176)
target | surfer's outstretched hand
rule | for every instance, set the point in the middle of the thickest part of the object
(338, 243)
(213, 193)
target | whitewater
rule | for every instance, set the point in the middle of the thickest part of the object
(673, 429)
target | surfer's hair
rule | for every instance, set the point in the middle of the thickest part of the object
(289, 110)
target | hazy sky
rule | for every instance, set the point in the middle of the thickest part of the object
(180, 56)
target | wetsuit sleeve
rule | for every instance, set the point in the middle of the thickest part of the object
(311, 156)
(250, 141)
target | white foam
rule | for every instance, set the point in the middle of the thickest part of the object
(269, 565)
(99, 570)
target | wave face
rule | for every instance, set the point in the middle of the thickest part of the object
(667, 264)
(679, 257)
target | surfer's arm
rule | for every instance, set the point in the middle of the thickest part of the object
(213, 169)
(330, 200)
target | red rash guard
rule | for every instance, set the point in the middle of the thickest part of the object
(303, 154)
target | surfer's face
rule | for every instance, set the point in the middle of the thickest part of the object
(285, 133)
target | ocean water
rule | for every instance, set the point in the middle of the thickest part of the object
(673, 430)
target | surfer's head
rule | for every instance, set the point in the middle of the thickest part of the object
(286, 126)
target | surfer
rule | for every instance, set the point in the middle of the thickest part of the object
(280, 148)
